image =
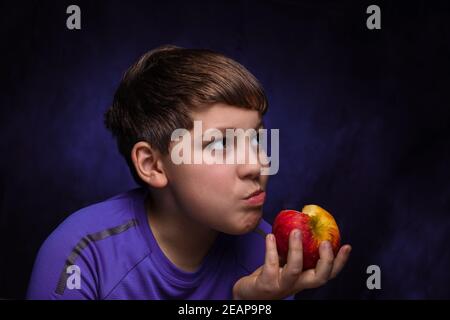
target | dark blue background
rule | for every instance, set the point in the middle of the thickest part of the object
(363, 116)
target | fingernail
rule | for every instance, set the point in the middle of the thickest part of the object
(327, 244)
(296, 234)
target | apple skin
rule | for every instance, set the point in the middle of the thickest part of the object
(316, 225)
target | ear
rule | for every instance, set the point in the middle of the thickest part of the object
(148, 164)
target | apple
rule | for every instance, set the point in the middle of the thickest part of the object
(316, 225)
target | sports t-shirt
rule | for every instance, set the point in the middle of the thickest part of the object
(107, 251)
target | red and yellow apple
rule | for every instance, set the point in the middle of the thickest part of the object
(315, 224)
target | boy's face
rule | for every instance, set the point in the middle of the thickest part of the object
(215, 194)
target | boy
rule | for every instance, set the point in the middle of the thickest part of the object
(191, 231)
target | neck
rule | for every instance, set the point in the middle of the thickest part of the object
(184, 241)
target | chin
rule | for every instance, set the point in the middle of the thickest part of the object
(249, 224)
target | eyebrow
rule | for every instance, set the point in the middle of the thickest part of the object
(260, 125)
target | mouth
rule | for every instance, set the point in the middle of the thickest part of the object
(256, 198)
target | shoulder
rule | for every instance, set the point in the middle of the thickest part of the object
(89, 238)
(94, 222)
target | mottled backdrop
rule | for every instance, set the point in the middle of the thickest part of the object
(363, 116)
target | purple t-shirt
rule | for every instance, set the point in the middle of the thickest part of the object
(107, 251)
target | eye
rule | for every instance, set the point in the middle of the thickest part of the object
(218, 144)
(255, 140)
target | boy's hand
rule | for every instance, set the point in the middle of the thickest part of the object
(272, 282)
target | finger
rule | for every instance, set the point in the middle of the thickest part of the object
(324, 265)
(341, 260)
(317, 277)
(294, 266)
(271, 263)
(307, 280)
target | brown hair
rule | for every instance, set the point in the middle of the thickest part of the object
(157, 92)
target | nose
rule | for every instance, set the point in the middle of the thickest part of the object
(251, 168)
(249, 171)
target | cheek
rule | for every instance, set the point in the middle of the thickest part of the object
(205, 185)
(208, 193)
(215, 176)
